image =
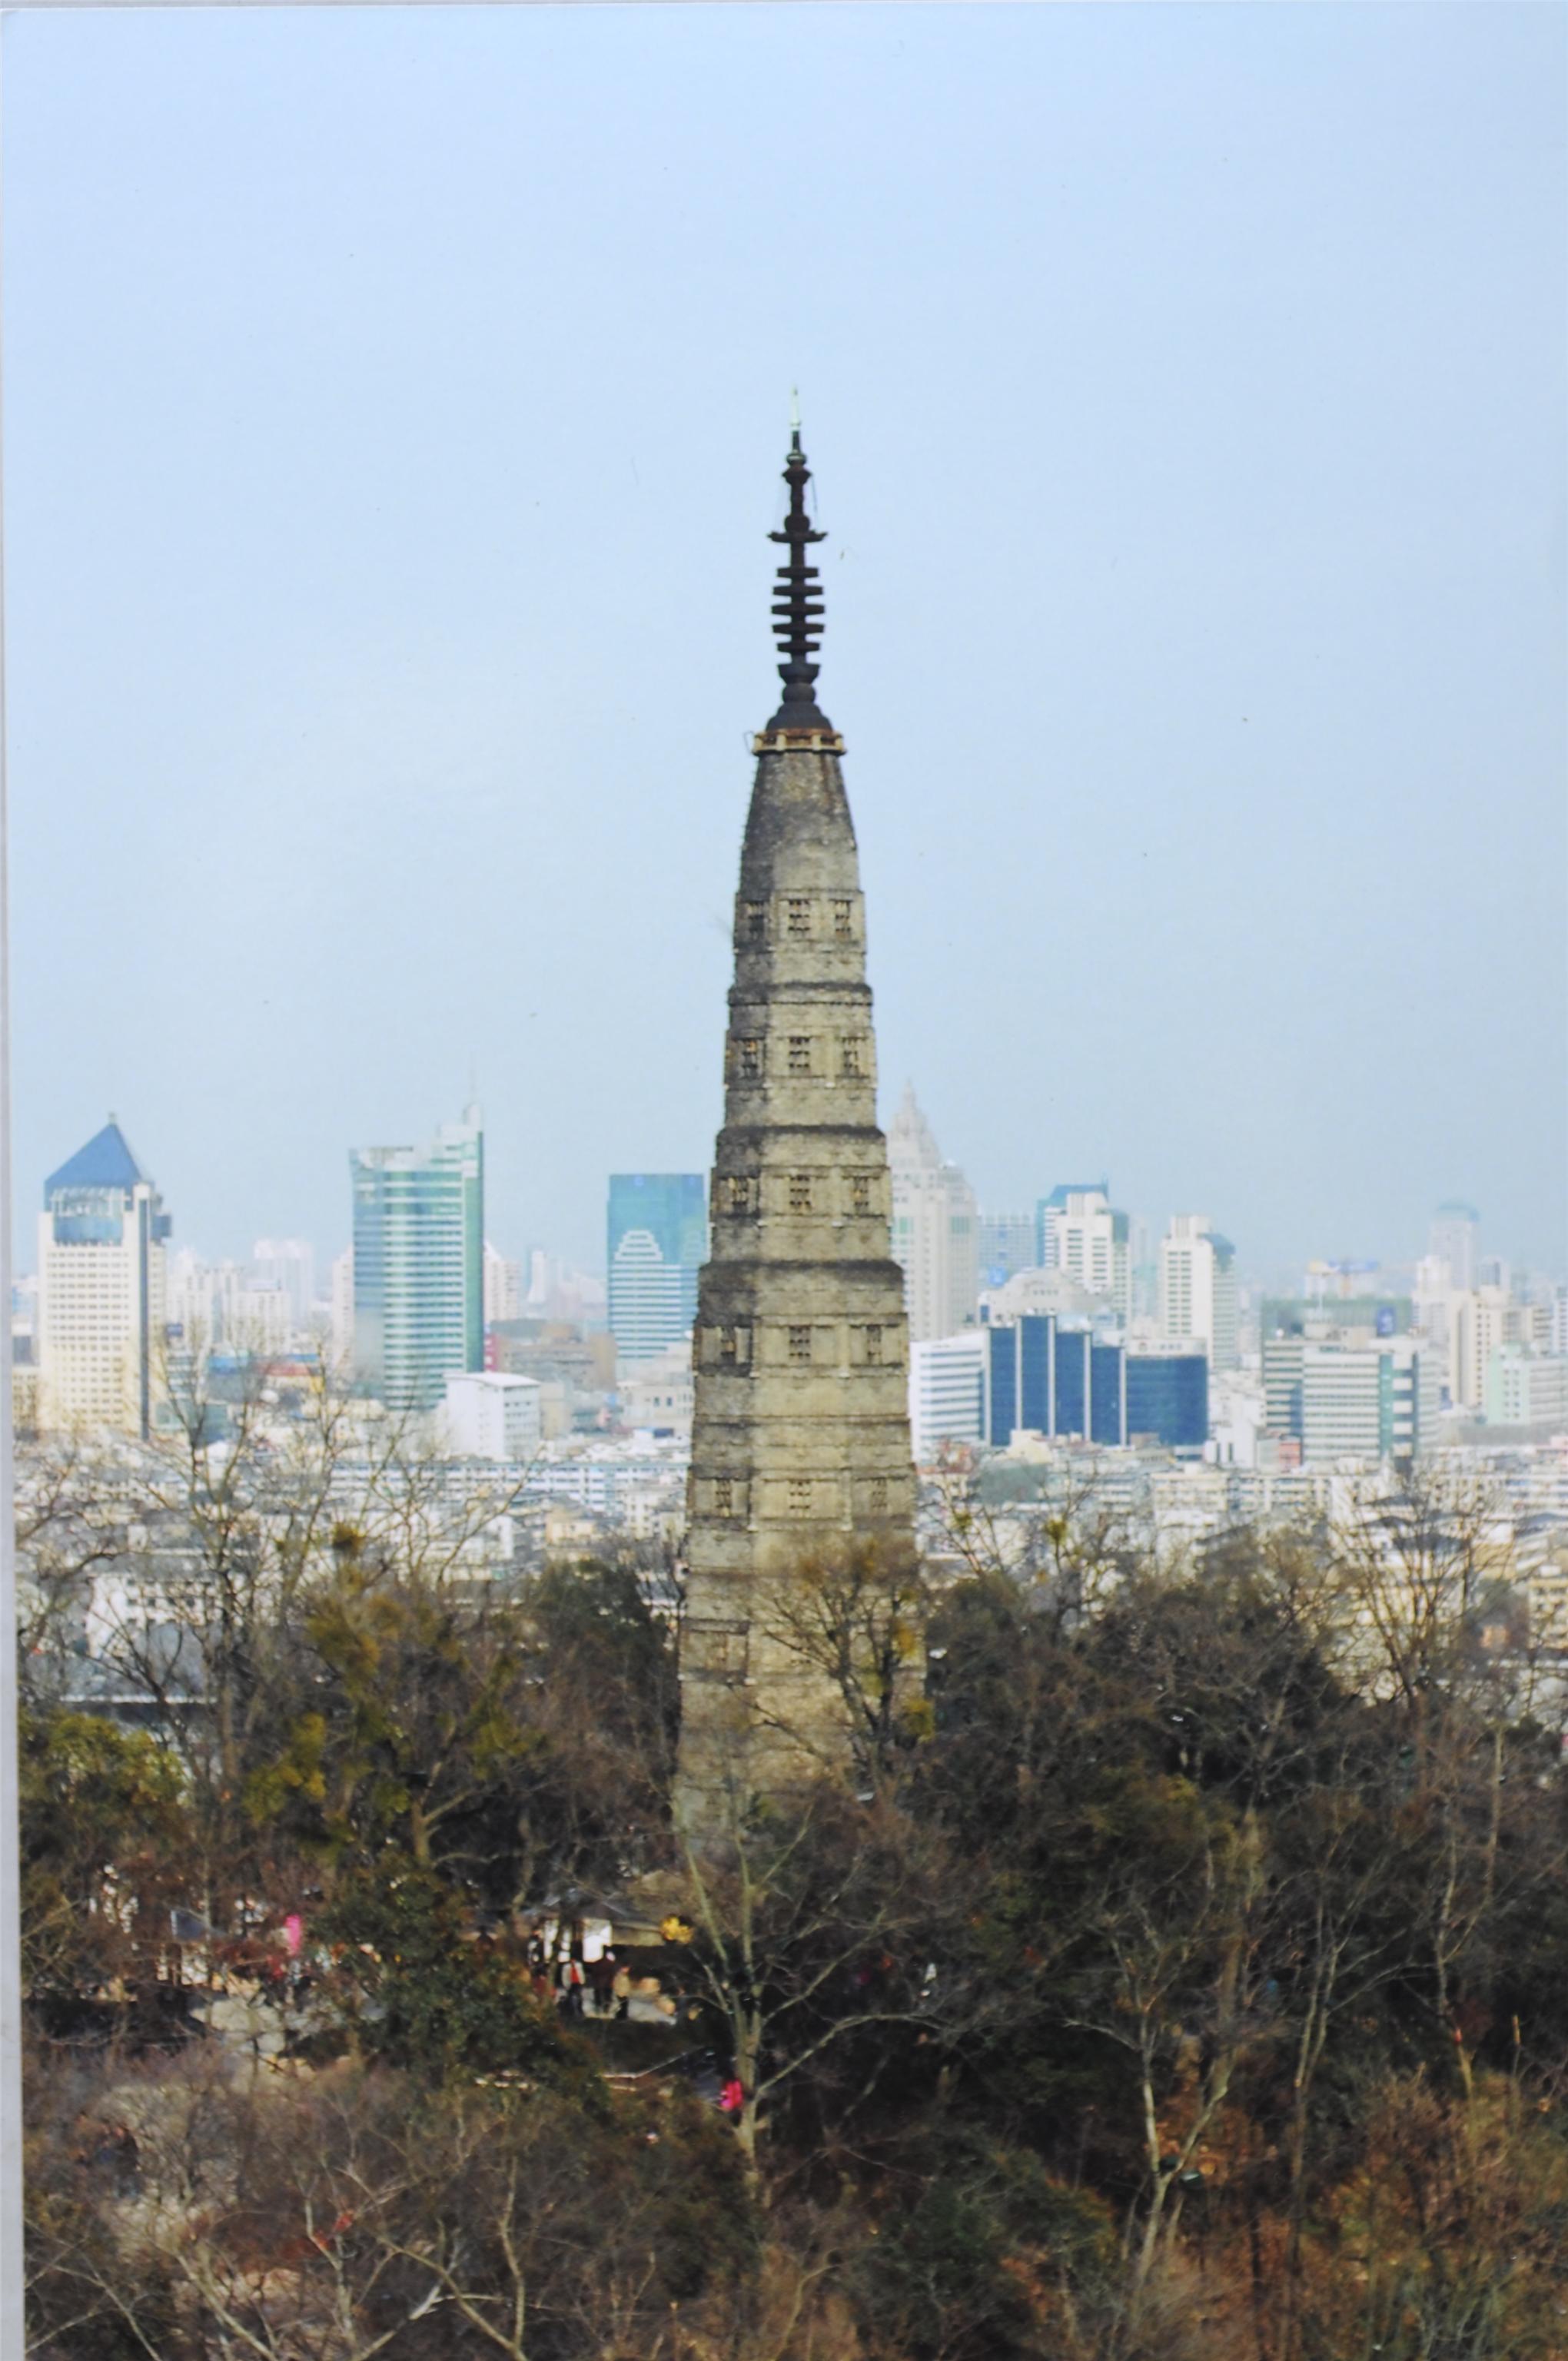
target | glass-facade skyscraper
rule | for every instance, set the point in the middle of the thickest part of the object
(419, 1242)
(656, 1242)
(1058, 1381)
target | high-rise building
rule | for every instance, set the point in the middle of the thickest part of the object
(1481, 1321)
(934, 1239)
(250, 1316)
(1198, 1288)
(1370, 1401)
(1005, 1247)
(947, 1393)
(1078, 1230)
(800, 1442)
(656, 1241)
(504, 1286)
(100, 1314)
(289, 1264)
(1043, 1377)
(419, 1224)
(1455, 1242)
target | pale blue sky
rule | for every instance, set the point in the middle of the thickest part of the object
(394, 403)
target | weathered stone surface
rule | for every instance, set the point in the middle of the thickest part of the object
(800, 1439)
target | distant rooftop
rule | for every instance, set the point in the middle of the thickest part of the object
(105, 1162)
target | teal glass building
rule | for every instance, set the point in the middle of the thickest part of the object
(655, 1244)
(419, 1244)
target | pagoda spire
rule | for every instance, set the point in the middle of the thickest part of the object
(797, 609)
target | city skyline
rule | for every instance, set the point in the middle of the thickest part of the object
(1232, 468)
(260, 1257)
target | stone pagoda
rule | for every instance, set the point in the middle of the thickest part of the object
(800, 1440)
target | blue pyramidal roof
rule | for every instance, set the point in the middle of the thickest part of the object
(105, 1162)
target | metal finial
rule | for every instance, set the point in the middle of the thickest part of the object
(798, 600)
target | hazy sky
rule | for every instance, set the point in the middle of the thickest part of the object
(394, 406)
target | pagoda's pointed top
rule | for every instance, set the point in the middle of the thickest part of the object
(797, 614)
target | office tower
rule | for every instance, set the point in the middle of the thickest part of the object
(503, 1286)
(800, 1443)
(1078, 1230)
(289, 1264)
(1366, 1402)
(1046, 1376)
(947, 1393)
(655, 1243)
(1455, 1241)
(418, 1219)
(1197, 1288)
(934, 1240)
(1004, 1245)
(101, 1315)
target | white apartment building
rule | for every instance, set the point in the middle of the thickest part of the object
(489, 1415)
(248, 1316)
(101, 1291)
(1082, 1233)
(289, 1264)
(1481, 1321)
(947, 1393)
(503, 1286)
(1197, 1288)
(935, 1230)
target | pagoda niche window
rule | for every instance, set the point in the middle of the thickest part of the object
(873, 1343)
(879, 1495)
(800, 1192)
(723, 1496)
(800, 1495)
(852, 1057)
(738, 1193)
(798, 914)
(754, 921)
(843, 921)
(749, 1061)
(800, 1053)
(800, 1343)
(859, 1192)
